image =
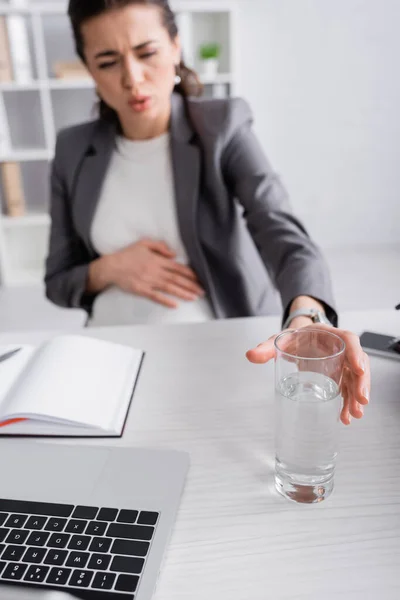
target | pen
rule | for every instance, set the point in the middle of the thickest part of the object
(9, 354)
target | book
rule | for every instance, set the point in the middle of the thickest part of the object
(5, 140)
(19, 48)
(70, 70)
(5, 59)
(13, 189)
(69, 386)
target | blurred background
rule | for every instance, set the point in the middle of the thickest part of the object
(322, 80)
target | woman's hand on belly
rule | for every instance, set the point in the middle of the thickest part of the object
(147, 268)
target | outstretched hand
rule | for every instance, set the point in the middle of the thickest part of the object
(356, 381)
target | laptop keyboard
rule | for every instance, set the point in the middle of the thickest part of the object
(89, 551)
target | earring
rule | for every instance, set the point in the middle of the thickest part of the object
(178, 78)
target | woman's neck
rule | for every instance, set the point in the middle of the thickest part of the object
(143, 129)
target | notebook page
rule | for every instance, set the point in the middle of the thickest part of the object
(120, 415)
(76, 379)
(11, 369)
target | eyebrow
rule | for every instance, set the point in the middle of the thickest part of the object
(106, 53)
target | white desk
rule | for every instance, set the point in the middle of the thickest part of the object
(235, 538)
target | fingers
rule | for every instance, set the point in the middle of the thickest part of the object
(183, 270)
(355, 356)
(350, 396)
(359, 389)
(178, 291)
(363, 382)
(159, 247)
(160, 298)
(345, 414)
(263, 353)
(188, 285)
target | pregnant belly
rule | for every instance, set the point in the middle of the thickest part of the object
(116, 307)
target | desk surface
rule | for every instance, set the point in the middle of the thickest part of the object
(236, 538)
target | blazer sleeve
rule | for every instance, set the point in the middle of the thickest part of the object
(68, 260)
(292, 259)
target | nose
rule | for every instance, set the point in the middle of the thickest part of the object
(133, 73)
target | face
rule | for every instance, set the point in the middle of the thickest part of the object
(132, 59)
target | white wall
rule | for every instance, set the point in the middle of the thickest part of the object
(323, 78)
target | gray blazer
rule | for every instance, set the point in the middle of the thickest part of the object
(234, 216)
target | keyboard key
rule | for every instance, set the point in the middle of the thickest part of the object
(127, 516)
(15, 521)
(37, 574)
(56, 557)
(14, 571)
(36, 508)
(37, 539)
(34, 555)
(147, 518)
(3, 517)
(55, 524)
(84, 512)
(130, 548)
(58, 576)
(75, 526)
(99, 562)
(81, 578)
(35, 523)
(127, 564)
(13, 553)
(3, 533)
(58, 540)
(103, 581)
(78, 559)
(2, 546)
(96, 528)
(131, 532)
(2, 565)
(126, 583)
(79, 542)
(107, 514)
(100, 545)
(17, 536)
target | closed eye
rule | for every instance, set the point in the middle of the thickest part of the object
(107, 65)
(148, 54)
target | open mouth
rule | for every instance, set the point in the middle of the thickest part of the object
(140, 103)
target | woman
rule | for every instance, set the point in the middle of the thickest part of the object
(146, 218)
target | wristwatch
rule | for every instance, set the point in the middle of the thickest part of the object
(315, 315)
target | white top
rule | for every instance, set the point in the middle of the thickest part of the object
(138, 201)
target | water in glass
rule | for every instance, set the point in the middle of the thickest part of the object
(307, 414)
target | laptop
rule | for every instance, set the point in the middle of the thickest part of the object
(85, 522)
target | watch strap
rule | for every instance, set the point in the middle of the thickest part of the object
(315, 315)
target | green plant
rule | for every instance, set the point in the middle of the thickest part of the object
(208, 51)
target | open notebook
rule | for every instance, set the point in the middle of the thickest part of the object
(69, 386)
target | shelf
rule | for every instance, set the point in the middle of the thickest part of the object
(52, 84)
(88, 83)
(26, 156)
(11, 86)
(29, 220)
(68, 84)
(45, 7)
(218, 79)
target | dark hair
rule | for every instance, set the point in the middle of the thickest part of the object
(80, 11)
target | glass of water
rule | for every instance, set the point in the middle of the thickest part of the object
(308, 372)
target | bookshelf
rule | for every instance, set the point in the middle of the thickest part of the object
(37, 107)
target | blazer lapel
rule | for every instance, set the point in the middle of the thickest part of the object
(90, 178)
(186, 164)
